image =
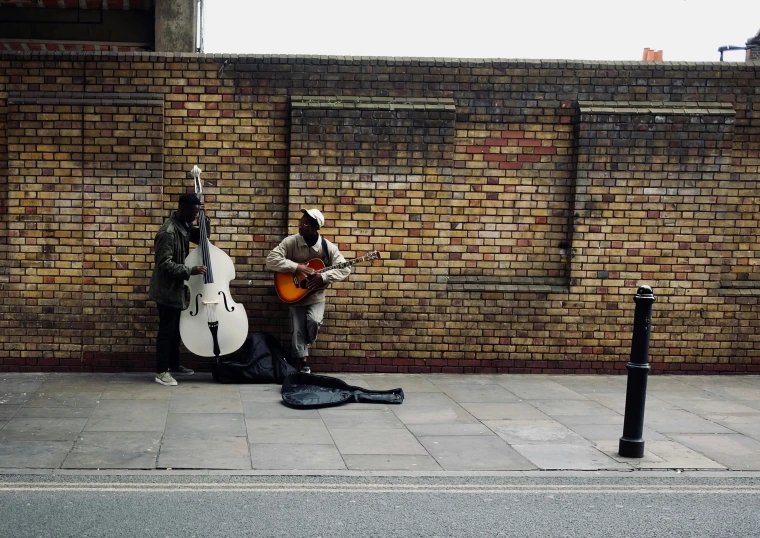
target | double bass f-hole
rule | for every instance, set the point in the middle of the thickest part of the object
(198, 296)
(227, 308)
(196, 305)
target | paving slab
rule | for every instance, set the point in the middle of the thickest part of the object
(114, 450)
(352, 379)
(469, 379)
(430, 409)
(603, 432)
(744, 393)
(276, 409)
(288, 430)
(474, 453)
(590, 420)
(42, 429)
(715, 405)
(570, 408)
(592, 384)
(184, 452)
(76, 382)
(297, 457)
(15, 397)
(420, 430)
(198, 402)
(616, 402)
(556, 456)
(33, 454)
(199, 385)
(129, 416)
(696, 399)
(716, 384)
(504, 411)
(260, 393)
(55, 412)
(661, 454)
(374, 441)
(668, 383)
(21, 382)
(135, 378)
(390, 462)
(64, 399)
(528, 387)
(8, 411)
(734, 451)
(206, 425)
(345, 417)
(410, 383)
(521, 432)
(133, 391)
(734, 421)
(477, 393)
(674, 421)
(751, 430)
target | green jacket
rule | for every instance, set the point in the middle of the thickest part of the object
(172, 245)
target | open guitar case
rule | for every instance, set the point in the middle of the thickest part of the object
(262, 359)
(309, 391)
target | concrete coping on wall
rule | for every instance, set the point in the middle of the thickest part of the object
(508, 288)
(656, 107)
(377, 103)
(507, 63)
(734, 292)
(505, 284)
(739, 287)
(85, 98)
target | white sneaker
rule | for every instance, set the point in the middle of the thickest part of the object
(166, 378)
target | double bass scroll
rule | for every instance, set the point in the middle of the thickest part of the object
(213, 324)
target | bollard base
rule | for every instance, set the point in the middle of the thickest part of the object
(631, 448)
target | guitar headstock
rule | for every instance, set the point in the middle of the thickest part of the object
(372, 256)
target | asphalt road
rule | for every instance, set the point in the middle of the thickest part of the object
(371, 506)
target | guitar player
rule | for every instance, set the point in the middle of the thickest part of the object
(291, 256)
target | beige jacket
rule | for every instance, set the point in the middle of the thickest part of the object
(293, 250)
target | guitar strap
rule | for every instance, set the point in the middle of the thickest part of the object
(328, 261)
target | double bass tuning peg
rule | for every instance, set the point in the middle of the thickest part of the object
(196, 172)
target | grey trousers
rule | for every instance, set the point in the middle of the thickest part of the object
(305, 322)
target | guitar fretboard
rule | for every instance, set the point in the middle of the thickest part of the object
(349, 263)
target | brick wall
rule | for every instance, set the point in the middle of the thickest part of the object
(470, 178)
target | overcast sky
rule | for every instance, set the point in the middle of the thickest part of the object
(685, 30)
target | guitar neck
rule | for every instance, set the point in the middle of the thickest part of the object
(348, 263)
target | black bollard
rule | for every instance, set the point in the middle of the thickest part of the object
(631, 444)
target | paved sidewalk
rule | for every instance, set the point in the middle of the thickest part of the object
(446, 423)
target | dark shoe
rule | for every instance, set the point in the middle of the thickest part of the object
(305, 369)
(181, 370)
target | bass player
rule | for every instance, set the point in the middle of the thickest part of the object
(291, 256)
(167, 283)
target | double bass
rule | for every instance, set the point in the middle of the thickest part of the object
(213, 324)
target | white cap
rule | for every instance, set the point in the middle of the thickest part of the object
(316, 214)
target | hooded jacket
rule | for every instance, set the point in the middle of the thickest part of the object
(171, 246)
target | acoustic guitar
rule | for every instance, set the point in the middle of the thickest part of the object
(291, 287)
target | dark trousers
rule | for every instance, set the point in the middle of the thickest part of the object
(167, 343)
